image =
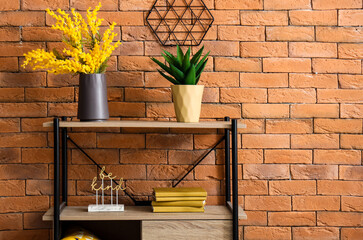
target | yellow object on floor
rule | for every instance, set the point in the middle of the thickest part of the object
(80, 234)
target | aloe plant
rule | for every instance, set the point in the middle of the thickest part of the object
(182, 69)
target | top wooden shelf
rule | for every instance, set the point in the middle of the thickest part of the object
(146, 124)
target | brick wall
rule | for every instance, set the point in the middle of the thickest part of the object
(291, 69)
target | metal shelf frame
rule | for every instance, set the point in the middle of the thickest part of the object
(230, 129)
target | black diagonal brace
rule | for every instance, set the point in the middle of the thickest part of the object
(199, 161)
(89, 157)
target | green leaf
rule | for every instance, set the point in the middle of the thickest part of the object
(186, 62)
(168, 59)
(163, 66)
(201, 62)
(196, 57)
(190, 78)
(175, 60)
(170, 79)
(177, 74)
(200, 71)
(180, 55)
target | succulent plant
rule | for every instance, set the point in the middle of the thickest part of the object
(182, 69)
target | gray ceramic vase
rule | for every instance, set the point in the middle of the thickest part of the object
(92, 100)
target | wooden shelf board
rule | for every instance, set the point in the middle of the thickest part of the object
(79, 213)
(146, 124)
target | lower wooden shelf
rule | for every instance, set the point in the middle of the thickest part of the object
(139, 213)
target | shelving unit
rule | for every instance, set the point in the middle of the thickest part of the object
(214, 221)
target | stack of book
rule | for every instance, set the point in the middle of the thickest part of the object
(179, 200)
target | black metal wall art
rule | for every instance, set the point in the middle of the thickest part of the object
(179, 22)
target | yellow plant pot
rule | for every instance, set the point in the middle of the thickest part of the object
(187, 102)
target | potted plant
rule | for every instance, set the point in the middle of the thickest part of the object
(184, 72)
(86, 54)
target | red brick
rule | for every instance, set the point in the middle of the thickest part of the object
(315, 110)
(350, 81)
(290, 33)
(149, 95)
(328, 4)
(37, 155)
(9, 125)
(22, 204)
(313, 80)
(268, 203)
(315, 233)
(291, 95)
(351, 233)
(314, 171)
(253, 126)
(352, 204)
(62, 109)
(330, 187)
(351, 141)
(9, 34)
(303, 17)
(254, 218)
(351, 172)
(12, 188)
(241, 33)
(126, 109)
(25, 234)
(111, 140)
(24, 171)
(344, 219)
(220, 111)
(19, 18)
(137, 187)
(252, 187)
(291, 219)
(255, 233)
(11, 221)
(238, 64)
(337, 157)
(286, 65)
(8, 64)
(10, 155)
(288, 156)
(84, 5)
(136, 63)
(239, 4)
(189, 157)
(210, 95)
(265, 110)
(264, 80)
(49, 94)
(337, 126)
(351, 51)
(6, 5)
(209, 172)
(350, 17)
(34, 221)
(266, 171)
(212, 187)
(23, 140)
(268, 18)
(160, 110)
(266, 141)
(12, 94)
(316, 203)
(339, 34)
(351, 110)
(128, 171)
(44, 4)
(315, 141)
(336, 66)
(132, 49)
(238, 95)
(103, 156)
(125, 79)
(289, 126)
(206, 141)
(39, 187)
(287, 4)
(292, 187)
(222, 48)
(130, 18)
(141, 156)
(264, 49)
(306, 49)
(170, 141)
(136, 33)
(244, 156)
(22, 79)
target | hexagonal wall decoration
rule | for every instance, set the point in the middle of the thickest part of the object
(179, 22)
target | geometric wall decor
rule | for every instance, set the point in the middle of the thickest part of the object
(179, 22)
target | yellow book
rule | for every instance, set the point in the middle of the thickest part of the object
(180, 192)
(169, 199)
(179, 203)
(166, 209)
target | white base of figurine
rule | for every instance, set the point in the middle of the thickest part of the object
(106, 208)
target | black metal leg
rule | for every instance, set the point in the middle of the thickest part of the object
(56, 222)
(64, 164)
(227, 157)
(235, 178)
